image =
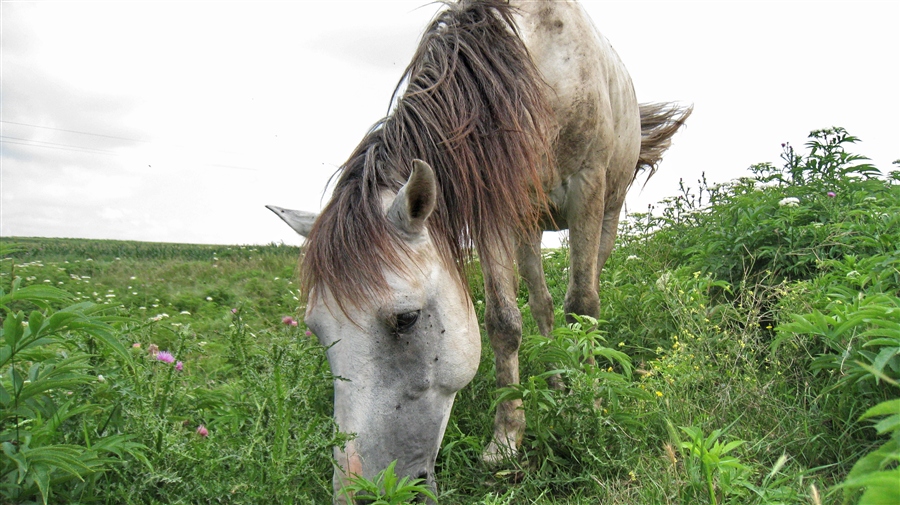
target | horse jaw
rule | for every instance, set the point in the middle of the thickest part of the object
(299, 221)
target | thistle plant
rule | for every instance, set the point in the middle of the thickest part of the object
(386, 488)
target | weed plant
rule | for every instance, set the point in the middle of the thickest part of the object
(747, 352)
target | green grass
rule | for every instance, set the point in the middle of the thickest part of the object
(739, 344)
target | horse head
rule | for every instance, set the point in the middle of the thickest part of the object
(398, 360)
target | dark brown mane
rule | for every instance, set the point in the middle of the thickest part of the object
(474, 109)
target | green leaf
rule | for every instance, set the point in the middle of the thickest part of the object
(882, 409)
(888, 424)
(12, 329)
(35, 322)
(41, 475)
(37, 294)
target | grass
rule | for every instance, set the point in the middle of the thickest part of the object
(740, 343)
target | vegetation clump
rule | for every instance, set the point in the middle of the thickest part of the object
(748, 352)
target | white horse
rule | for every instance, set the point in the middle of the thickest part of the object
(517, 117)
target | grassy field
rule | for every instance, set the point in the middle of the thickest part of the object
(746, 330)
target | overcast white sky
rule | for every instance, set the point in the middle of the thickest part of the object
(179, 121)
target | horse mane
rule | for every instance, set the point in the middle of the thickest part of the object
(474, 109)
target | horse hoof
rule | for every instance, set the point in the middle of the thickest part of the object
(556, 383)
(495, 453)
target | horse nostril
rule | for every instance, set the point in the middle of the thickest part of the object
(422, 475)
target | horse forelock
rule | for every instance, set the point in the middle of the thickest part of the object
(475, 109)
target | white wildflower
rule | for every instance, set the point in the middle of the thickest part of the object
(663, 281)
(790, 201)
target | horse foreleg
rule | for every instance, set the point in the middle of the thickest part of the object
(585, 217)
(503, 321)
(531, 268)
(608, 236)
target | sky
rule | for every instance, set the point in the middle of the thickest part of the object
(179, 121)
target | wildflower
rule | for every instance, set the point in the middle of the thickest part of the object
(185, 313)
(621, 344)
(308, 333)
(209, 298)
(831, 194)
(659, 394)
(153, 349)
(136, 345)
(179, 366)
(202, 431)
(288, 321)
(132, 277)
(663, 281)
(789, 202)
(165, 356)
(101, 378)
(234, 311)
(632, 257)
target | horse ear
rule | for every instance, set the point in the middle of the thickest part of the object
(415, 200)
(299, 221)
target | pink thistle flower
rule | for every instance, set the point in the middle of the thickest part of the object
(179, 366)
(165, 356)
(202, 431)
(831, 194)
(234, 311)
(308, 333)
(288, 321)
(136, 345)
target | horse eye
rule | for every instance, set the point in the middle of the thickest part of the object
(405, 321)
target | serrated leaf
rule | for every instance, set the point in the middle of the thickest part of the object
(882, 409)
(888, 424)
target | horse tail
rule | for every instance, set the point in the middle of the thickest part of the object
(659, 122)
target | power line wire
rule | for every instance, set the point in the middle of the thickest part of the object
(37, 143)
(77, 150)
(74, 131)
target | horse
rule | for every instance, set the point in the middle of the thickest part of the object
(515, 117)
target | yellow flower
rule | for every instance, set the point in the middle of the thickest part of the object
(659, 394)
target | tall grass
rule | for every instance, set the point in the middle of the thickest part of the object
(747, 353)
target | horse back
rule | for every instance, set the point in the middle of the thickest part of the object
(591, 94)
